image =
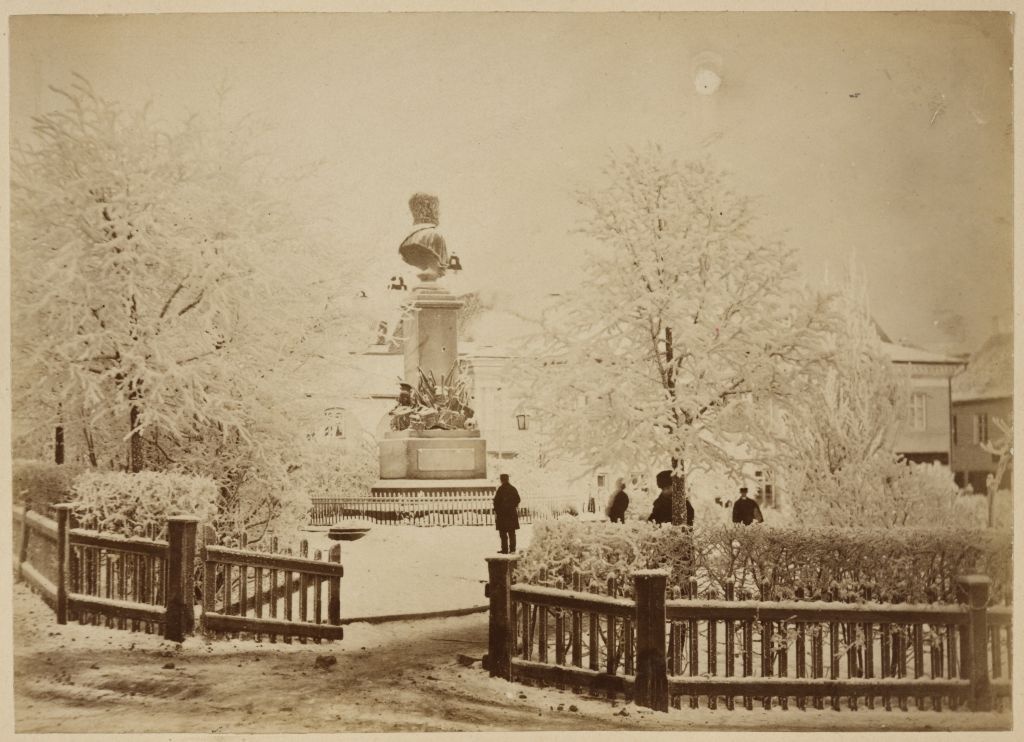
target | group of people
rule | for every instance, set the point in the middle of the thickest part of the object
(745, 510)
(506, 508)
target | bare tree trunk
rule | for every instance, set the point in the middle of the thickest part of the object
(135, 441)
(678, 494)
(678, 480)
(58, 438)
(90, 446)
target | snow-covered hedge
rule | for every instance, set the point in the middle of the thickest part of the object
(39, 484)
(599, 550)
(139, 504)
(918, 565)
(892, 565)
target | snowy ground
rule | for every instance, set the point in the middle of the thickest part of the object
(408, 569)
(401, 676)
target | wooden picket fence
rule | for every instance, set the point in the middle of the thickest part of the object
(35, 543)
(266, 593)
(96, 578)
(146, 584)
(431, 507)
(662, 649)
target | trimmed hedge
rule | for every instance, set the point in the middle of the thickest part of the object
(897, 565)
(39, 484)
(139, 504)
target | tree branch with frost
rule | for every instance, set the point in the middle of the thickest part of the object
(115, 218)
(673, 249)
(1002, 450)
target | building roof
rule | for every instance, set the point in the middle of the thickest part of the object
(908, 354)
(989, 373)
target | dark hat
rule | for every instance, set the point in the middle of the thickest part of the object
(743, 490)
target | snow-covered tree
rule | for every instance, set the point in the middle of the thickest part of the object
(1002, 450)
(835, 442)
(846, 409)
(686, 321)
(163, 289)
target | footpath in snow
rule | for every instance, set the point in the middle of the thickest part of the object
(409, 569)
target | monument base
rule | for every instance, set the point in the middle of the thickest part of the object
(433, 455)
(448, 487)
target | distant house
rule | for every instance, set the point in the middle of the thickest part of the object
(981, 393)
(926, 435)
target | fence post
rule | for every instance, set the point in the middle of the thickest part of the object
(209, 574)
(650, 688)
(976, 588)
(500, 629)
(334, 589)
(180, 590)
(23, 546)
(63, 511)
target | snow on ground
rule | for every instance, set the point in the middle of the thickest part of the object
(402, 676)
(410, 569)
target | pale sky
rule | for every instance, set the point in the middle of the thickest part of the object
(884, 136)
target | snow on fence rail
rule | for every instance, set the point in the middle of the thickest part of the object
(660, 649)
(119, 582)
(126, 583)
(431, 507)
(270, 594)
(35, 539)
(150, 585)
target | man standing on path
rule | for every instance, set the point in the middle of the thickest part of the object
(662, 510)
(745, 510)
(506, 514)
(619, 502)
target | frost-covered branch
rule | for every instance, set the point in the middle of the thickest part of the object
(683, 325)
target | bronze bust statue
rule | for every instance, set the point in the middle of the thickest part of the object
(424, 248)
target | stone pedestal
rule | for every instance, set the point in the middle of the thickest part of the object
(431, 333)
(432, 345)
(433, 455)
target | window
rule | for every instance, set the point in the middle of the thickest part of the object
(601, 479)
(918, 411)
(765, 493)
(953, 431)
(981, 428)
(333, 425)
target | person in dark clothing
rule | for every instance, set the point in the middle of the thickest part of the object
(619, 504)
(662, 510)
(745, 510)
(506, 514)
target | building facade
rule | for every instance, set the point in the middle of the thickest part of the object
(926, 435)
(982, 394)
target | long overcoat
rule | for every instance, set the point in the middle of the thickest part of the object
(506, 508)
(617, 510)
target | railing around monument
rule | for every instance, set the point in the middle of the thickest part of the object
(438, 507)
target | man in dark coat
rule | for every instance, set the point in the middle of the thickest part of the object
(506, 514)
(662, 510)
(745, 510)
(619, 504)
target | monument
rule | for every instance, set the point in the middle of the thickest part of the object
(433, 443)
